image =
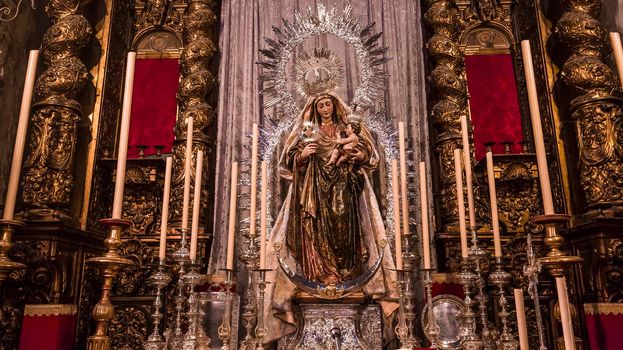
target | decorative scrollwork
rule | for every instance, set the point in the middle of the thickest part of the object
(447, 80)
(48, 178)
(195, 84)
(595, 109)
(128, 329)
(132, 281)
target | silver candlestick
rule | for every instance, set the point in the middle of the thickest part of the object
(182, 257)
(432, 328)
(410, 341)
(401, 327)
(470, 340)
(260, 329)
(191, 279)
(250, 258)
(224, 331)
(160, 279)
(478, 254)
(502, 279)
(531, 271)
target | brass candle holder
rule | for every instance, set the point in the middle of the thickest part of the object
(7, 227)
(109, 265)
(555, 261)
(432, 328)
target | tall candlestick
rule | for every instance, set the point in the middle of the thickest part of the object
(20, 137)
(165, 209)
(495, 224)
(187, 164)
(263, 205)
(122, 150)
(565, 314)
(460, 201)
(467, 156)
(521, 319)
(233, 190)
(396, 203)
(403, 179)
(617, 49)
(537, 130)
(194, 229)
(253, 205)
(424, 208)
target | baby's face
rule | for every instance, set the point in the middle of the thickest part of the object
(349, 129)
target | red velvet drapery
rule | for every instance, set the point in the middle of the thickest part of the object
(494, 104)
(154, 106)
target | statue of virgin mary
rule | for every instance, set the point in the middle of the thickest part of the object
(330, 224)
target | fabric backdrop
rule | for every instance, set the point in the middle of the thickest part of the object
(244, 24)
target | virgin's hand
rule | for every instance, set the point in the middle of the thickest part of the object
(308, 151)
(356, 156)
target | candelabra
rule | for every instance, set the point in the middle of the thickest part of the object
(260, 330)
(7, 227)
(250, 258)
(502, 280)
(467, 278)
(182, 257)
(224, 331)
(109, 265)
(410, 341)
(557, 263)
(160, 279)
(431, 329)
(191, 279)
(401, 327)
(531, 271)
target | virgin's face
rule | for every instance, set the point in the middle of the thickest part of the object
(325, 109)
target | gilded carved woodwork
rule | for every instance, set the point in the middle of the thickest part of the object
(48, 177)
(151, 13)
(592, 87)
(447, 79)
(195, 84)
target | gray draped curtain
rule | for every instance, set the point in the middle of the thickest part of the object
(245, 23)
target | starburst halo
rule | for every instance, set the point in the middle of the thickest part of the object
(318, 72)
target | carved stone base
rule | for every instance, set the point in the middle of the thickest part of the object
(355, 325)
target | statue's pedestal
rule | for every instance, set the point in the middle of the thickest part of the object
(354, 322)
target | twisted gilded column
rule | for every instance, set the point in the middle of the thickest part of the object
(195, 84)
(450, 100)
(48, 177)
(594, 108)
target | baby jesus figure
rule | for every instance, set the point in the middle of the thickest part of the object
(340, 154)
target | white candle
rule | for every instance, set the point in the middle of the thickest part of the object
(424, 208)
(617, 49)
(187, 164)
(20, 137)
(194, 229)
(165, 209)
(460, 202)
(122, 150)
(467, 156)
(565, 314)
(263, 202)
(521, 319)
(495, 224)
(537, 130)
(403, 179)
(253, 205)
(396, 203)
(233, 190)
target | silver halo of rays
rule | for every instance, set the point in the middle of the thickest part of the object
(274, 76)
